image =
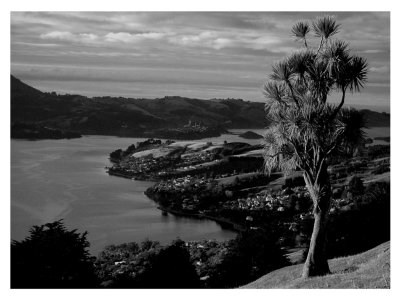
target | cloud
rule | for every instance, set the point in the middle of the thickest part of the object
(222, 43)
(68, 36)
(100, 54)
(204, 38)
(111, 37)
(381, 69)
(58, 35)
(36, 44)
(373, 51)
(127, 37)
(225, 39)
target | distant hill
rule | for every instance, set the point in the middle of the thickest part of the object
(18, 88)
(368, 270)
(250, 135)
(375, 119)
(135, 117)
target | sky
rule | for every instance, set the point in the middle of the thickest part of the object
(193, 54)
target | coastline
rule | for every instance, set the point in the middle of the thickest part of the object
(152, 177)
(113, 172)
(41, 132)
(222, 222)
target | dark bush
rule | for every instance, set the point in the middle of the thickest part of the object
(171, 268)
(355, 187)
(378, 151)
(381, 169)
(292, 182)
(148, 266)
(116, 155)
(252, 254)
(364, 227)
(52, 257)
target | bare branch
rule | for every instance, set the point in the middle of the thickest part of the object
(320, 44)
(337, 109)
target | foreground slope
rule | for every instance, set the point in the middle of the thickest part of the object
(370, 269)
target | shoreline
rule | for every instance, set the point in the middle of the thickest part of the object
(222, 222)
(181, 136)
(111, 172)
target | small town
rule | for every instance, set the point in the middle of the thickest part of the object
(242, 198)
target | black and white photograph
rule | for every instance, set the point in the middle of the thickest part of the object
(199, 149)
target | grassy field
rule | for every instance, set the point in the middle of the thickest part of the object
(368, 270)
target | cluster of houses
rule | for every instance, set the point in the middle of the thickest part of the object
(257, 202)
(268, 201)
(190, 128)
(342, 204)
(193, 159)
(182, 184)
(144, 166)
(184, 193)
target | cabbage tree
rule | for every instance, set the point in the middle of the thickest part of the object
(306, 129)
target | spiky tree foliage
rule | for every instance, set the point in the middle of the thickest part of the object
(306, 129)
(300, 30)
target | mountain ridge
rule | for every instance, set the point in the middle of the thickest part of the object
(136, 117)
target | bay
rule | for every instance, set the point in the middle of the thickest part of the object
(66, 179)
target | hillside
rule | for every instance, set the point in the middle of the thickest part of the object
(370, 269)
(128, 116)
(137, 117)
(376, 119)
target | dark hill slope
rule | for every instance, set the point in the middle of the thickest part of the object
(133, 117)
(20, 88)
(127, 116)
(376, 119)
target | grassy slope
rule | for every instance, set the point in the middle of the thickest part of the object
(370, 269)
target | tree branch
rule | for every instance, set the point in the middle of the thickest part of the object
(323, 157)
(306, 166)
(337, 109)
(320, 164)
(310, 187)
(293, 96)
(320, 44)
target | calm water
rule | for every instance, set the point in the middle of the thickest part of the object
(371, 132)
(374, 132)
(54, 179)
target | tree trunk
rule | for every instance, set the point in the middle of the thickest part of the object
(317, 263)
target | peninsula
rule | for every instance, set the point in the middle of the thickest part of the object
(225, 182)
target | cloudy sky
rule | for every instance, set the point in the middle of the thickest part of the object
(204, 55)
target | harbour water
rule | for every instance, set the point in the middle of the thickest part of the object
(66, 179)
